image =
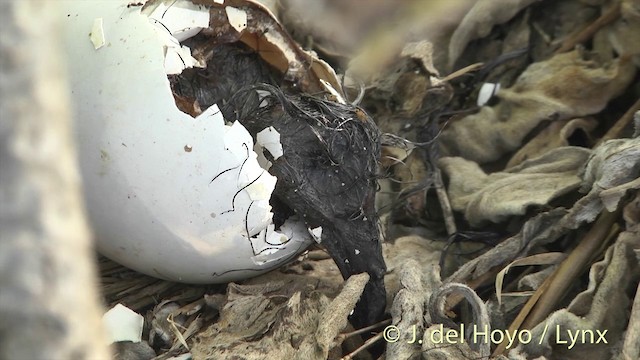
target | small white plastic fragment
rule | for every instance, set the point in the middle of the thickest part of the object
(97, 34)
(269, 138)
(237, 18)
(123, 324)
(486, 92)
(219, 1)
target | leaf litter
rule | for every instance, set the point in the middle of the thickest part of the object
(541, 183)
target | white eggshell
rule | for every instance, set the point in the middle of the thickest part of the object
(269, 138)
(168, 195)
(237, 18)
(123, 324)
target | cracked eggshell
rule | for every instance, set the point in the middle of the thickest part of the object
(168, 195)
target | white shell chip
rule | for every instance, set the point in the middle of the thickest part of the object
(269, 138)
(97, 34)
(237, 18)
(123, 324)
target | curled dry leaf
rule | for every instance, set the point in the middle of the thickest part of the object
(567, 85)
(496, 196)
(623, 34)
(557, 134)
(538, 259)
(478, 346)
(546, 227)
(479, 21)
(613, 169)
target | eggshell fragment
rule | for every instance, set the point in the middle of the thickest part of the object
(182, 19)
(237, 18)
(97, 34)
(316, 233)
(269, 138)
(169, 195)
(123, 324)
(174, 22)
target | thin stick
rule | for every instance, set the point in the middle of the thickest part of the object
(344, 336)
(608, 17)
(547, 297)
(464, 70)
(526, 309)
(447, 212)
(570, 269)
(364, 346)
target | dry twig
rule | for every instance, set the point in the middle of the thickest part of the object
(546, 298)
(608, 17)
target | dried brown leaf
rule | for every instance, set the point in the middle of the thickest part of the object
(555, 135)
(538, 259)
(496, 196)
(565, 86)
(479, 21)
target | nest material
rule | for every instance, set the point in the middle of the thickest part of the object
(328, 176)
(328, 172)
(321, 137)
